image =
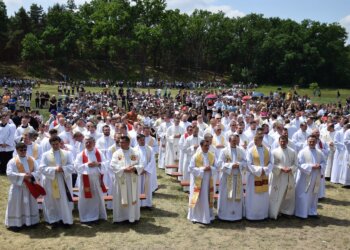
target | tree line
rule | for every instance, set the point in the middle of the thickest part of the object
(144, 33)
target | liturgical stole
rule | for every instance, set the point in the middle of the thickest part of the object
(229, 181)
(308, 158)
(54, 183)
(199, 162)
(86, 180)
(34, 188)
(261, 183)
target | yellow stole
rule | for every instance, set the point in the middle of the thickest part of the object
(199, 162)
(35, 151)
(113, 149)
(54, 183)
(229, 181)
(262, 182)
(20, 166)
(215, 142)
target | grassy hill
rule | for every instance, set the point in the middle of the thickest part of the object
(86, 69)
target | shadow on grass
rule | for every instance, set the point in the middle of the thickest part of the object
(157, 212)
(145, 226)
(294, 222)
(334, 202)
(166, 196)
(150, 229)
(330, 186)
(161, 186)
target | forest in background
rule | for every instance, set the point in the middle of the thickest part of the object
(140, 34)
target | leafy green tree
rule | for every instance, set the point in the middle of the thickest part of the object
(31, 48)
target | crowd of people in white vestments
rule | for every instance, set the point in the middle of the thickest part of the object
(250, 157)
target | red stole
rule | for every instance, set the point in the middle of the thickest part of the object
(130, 127)
(86, 181)
(34, 188)
(186, 135)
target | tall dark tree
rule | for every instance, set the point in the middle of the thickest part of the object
(3, 28)
(37, 17)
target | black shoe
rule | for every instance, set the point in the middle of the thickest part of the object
(14, 229)
(287, 216)
(54, 225)
(66, 225)
(314, 217)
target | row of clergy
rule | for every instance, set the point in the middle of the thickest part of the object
(172, 134)
(277, 182)
(131, 168)
(75, 143)
(178, 145)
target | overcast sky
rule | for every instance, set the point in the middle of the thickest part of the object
(327, 11)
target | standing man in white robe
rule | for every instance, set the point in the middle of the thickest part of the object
(232, 160)
(189, 132)
(127, 169)
(57, 167)
(321, 145)
(7, 142)
(300, 137)
(282, 186)
(163, 127)
(33, 149)
(311, 166)
(149, 164)
(22, 207)
(190, 147)
(259, 167)
(202, 168)
(328, 137)
(243, 139)
(338, 161)
(23, 128)
(172, 150)
(67, 134)
(105, 141)
(153, 143)
(344, 177)
(90, 166)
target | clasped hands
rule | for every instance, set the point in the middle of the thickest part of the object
(207, 168)
(28, 177)
(286, 169)
(93, 164)
(235, 165)
(316, 166)
(129, 169)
